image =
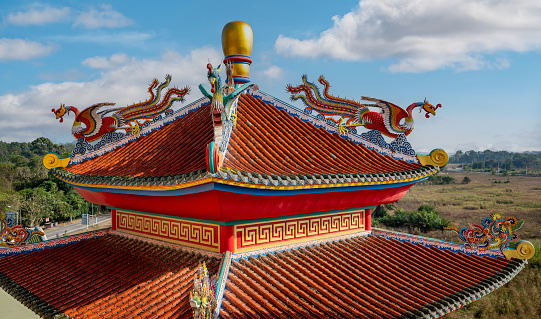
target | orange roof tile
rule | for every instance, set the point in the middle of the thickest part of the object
(107, 277)
(269, 141)
(265, 140)
(361, 277)
(173, 149)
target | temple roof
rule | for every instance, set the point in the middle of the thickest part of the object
(110, 276)
(369, 276)
(174, 149)
(268, 141)
(116, 275)
(271, 141)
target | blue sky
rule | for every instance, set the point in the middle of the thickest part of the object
(480, 59)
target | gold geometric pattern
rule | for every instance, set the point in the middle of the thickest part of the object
(189, 233)
(266, 234)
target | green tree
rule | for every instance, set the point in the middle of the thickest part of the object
(41, 146)
(35, 205)
(466, 180)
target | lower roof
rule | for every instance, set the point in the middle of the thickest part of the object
(110, 276)
(374, 276)
(361, 277)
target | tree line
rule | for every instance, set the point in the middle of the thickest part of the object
(526, 162)
(28, 187)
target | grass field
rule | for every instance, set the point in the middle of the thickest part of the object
(464, 204)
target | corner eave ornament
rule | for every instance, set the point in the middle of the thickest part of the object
(12, 235)
(393, 121)
(496, 232)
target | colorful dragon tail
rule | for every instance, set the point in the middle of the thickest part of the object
(327, 104)
(153, 106)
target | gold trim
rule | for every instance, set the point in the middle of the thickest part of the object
(157, 229)
(288, 229)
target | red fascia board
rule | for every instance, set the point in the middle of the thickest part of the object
(220, 205)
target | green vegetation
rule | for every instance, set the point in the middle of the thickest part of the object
(425, 219)
(440, 179)
(27, 186)
(501, 162)
(464, 204)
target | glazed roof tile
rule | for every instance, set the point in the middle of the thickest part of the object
(173, 149)
(361, 277)
(121, 276)
(107, 277)
(266, 141)
(271, 141)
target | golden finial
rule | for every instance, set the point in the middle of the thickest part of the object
(237, 43)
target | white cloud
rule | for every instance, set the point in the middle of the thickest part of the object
(426, 35)
(19, 49)
(99, 62)
(106, 17)
(121, 38)
(27, 115)
(273, 73)
(38, 16)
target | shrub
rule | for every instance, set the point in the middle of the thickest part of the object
(440, 180)
(466, 180)
(425, 219)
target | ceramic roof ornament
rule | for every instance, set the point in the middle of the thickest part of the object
(92, 123)
(496, 232)
(392, 122)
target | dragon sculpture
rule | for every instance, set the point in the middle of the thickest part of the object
(494, 232)
(92, 124)
(203, 294)
(223, 101)
(16, 235)
(392, 121)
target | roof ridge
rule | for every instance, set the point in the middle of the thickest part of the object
(371, 140)
(437, 243)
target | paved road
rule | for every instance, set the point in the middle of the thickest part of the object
(58, 231)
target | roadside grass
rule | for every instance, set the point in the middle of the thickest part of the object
(464, 204)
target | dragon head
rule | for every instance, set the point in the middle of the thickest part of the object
(214, 78)
(429, 108)
(60, 112)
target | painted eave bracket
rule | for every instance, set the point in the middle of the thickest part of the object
(523, 250)
(52, 160)
(437, 157)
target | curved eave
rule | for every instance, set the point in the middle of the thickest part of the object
(171, 186)
(234, 186)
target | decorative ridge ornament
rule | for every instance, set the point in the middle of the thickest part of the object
(223, 110)
(92, 124)
(52, 160)
(237, 43)
(393, 121)
(12, 235)
(437, 157)
(495, 232)
(203, 295)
